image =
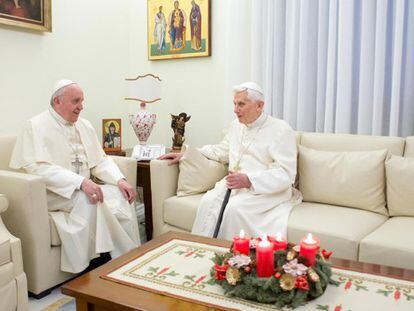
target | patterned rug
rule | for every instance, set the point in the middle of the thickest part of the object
(182, 269)
(63, 304)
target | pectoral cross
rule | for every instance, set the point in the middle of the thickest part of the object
(77, 164)
(237, 168)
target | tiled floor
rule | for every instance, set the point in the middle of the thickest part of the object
(41, 304)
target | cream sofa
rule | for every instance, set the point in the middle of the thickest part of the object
(352, 233)
(28, 219)
(13, 284)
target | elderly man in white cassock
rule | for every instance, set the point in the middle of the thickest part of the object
(261, 153)
(64, 149)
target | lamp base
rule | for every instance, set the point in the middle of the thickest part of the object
(142, 123)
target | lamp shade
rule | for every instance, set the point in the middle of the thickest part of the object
(146, 88)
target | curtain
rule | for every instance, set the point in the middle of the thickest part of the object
(342, 66)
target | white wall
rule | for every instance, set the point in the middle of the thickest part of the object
(192, 85)
(89, 44)
(99, 43)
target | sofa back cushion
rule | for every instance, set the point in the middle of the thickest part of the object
(400, 186)
(409, 147)
(298, 137)
(350, 178)
(6, 146)
(348, 142)
(197, 174)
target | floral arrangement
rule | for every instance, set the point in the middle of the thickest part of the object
(292, 284)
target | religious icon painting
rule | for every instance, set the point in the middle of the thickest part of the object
(111, 135)
(178, 29)
(30, 14)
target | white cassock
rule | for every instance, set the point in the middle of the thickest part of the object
(159, 30)
(266, 150)
(49, 147)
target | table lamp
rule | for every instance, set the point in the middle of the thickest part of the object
(144, 89)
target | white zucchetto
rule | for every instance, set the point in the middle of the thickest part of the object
(249, 85)
(61, 84)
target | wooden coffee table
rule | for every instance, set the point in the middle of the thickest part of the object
(95, 293)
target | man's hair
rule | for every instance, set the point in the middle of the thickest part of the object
(58, 93)
(253, 95)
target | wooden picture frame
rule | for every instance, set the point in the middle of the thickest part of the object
(178, 29)
(29, 14)
(112, 135)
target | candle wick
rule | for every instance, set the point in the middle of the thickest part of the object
(241, 235)
(279, 237)
(309, 239)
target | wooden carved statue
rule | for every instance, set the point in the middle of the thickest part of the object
(178, 126)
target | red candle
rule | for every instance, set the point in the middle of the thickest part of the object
(279, 243)
(309, 247)
(241, 244)
(264, 258)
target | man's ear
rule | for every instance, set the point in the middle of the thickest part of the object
(56, 101)
(260, 105)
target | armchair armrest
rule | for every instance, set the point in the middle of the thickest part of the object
(128, 167)
(164, 180)
(15, 247)
(27, 217)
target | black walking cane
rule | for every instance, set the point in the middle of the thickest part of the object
(220, 217)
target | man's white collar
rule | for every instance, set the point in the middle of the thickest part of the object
(58, 117)
(258, 122)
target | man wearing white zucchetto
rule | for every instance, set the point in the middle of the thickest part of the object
(261, 153)
(64, 149)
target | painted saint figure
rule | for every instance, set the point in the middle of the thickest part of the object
(195, 23)
(159, 30)
(112, 138)
(176, 22)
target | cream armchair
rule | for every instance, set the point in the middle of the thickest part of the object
(13, 284)
(28, 219)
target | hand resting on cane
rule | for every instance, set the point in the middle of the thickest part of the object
(237, 180)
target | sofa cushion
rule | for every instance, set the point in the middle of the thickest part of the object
(298, 135)
(8, 294)
(348, 142)
(5, 250)
(400, 186)
(6, 273)
(355, 179)
(390, 244)
(409, 147)
(4, 203)
(197, 173)
(181, 211)
(338, 228)
(7, 144)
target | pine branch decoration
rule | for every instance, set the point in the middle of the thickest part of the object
(269, 290)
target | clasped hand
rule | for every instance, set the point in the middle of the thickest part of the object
(92, 190)
(95, 194)
(237, 180)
